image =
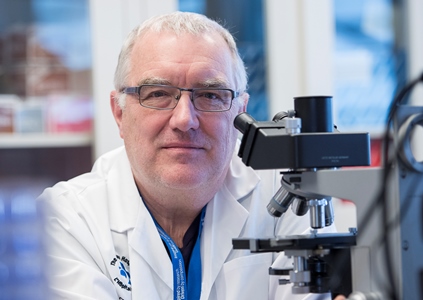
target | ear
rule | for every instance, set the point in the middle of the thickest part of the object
(117, 111)
(245, 97)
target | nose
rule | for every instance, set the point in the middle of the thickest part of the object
(184, 115)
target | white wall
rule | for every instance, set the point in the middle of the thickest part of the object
(299, 43)
(415, 63)
(111, 21)
(414, 10)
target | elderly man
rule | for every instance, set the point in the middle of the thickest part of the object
(155, 219)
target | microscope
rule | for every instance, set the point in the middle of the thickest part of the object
(380, 259)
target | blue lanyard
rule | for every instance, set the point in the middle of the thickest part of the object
(181, 289)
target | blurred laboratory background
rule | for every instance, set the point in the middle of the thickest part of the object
(57, 59)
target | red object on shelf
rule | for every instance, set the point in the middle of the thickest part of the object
(376, 152)
(69, 114)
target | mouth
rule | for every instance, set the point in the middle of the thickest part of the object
(183, 153)
(187, 146)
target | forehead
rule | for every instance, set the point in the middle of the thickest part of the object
(183, 59)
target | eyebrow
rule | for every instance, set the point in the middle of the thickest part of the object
(215, 83)
(154, 80)
(208, 83)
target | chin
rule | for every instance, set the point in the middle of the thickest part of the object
(187, 181)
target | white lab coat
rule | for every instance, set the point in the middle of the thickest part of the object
(102, 242)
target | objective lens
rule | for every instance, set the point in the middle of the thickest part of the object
(317, 213)
(280, 202)
(329, 214)
(300, 206)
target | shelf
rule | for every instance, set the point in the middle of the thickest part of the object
(44, 140)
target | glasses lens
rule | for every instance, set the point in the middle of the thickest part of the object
(160, 97)
(212, 99)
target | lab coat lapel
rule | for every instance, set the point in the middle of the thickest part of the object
(127, 212)
(146, 241)
(224, 220)
(122, 191)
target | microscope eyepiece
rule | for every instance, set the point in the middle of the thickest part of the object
(243, 122)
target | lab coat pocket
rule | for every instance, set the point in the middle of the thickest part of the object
(245, 278)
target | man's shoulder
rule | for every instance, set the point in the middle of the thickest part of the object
(93, 182)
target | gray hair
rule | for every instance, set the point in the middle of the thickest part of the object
(179, 23)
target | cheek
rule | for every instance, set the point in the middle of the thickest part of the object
(226, 135)
(128, 125)
(139, 123)
(136, 129)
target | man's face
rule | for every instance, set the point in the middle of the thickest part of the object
(181, 148)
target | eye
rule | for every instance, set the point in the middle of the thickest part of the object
(210, 95)
(158, 94)
(155, 92)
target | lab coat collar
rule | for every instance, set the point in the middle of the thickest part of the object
(124, 199)
(240, 179)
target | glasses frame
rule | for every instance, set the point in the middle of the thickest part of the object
(137, 89)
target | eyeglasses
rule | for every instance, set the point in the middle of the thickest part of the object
(165, 97)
